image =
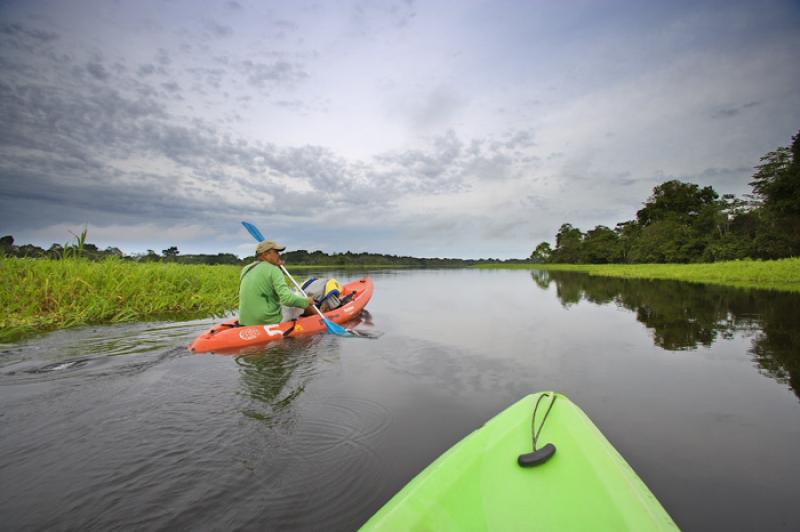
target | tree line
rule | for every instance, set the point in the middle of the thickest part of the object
(81, 248)
(684, 222)
(87, 250)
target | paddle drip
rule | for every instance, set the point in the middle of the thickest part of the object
(542, 455)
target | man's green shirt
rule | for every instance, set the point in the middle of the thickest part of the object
(262, 291)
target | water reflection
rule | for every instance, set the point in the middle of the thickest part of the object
(275, 376)
(684, 316)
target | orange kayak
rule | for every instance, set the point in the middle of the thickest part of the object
(230, 335)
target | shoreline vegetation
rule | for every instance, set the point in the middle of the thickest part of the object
(44, 295)
(782, 274)
(41, 295)
(683, 232)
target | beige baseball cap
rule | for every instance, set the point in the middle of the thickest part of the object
(266, 245)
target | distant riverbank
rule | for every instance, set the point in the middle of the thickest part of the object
(782, 274)
(44, 295)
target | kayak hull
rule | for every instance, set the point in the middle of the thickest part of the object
(478, 484)
(230, 336)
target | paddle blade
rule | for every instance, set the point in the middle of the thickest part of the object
(336, 329)
(253, 230)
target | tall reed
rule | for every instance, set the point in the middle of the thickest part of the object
(42, 295)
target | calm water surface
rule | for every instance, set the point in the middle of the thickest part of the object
(121, 428)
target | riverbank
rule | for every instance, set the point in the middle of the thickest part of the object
(41, 295)
(782, 274)
(44, 295)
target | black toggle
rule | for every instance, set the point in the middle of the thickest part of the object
(537, 457)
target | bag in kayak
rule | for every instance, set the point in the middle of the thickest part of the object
(326, 292)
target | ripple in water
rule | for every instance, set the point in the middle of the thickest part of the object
(330, 444)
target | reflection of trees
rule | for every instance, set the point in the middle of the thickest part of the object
(275, 377)
(776, 348)
(686, 315)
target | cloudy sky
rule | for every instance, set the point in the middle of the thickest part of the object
(430, 128)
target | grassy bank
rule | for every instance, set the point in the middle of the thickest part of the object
(40, 295)
(783, 274)
(43, 295)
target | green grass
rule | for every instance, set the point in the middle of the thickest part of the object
(43, 295)
(40, 295)
(783, 274)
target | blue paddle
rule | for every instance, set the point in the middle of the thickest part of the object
(333, 328)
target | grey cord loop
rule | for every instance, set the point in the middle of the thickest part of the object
(535, 432)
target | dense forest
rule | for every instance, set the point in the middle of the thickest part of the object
(683, 222)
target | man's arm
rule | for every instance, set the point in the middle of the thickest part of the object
(285, 295)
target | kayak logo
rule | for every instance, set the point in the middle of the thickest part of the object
(248, 334)
(273, 330)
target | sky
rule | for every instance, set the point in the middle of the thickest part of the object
(466, 129)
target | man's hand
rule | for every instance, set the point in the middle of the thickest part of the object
(310, 301)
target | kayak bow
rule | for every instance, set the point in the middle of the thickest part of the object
(481, 483)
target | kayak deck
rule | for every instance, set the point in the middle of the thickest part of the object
(478, 484)
(230, 335)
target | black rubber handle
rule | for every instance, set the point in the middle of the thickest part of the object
(537, 457)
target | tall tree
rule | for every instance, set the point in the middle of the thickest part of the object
(170, 253)
(568, 244)
(601, 245)
(678, 201)
(776, 186)
(677, 223)
(542, 253)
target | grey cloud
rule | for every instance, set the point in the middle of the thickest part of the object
(279, 72)
(622, 180)
(146, 70)
(217, 30)
(438, 108)
(518, 139)
(433, 171)
(730, 112)
(208, 77)
(70, 146)
(284, 24)
(162, 57)
(72, 136)
(449, 164)
(724, 180)
(233, 5)
(370, 18)
(18, 30)
(171, 86)
(716, 172)
(290, 104)
(98, 71)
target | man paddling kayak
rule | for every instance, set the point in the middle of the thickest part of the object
(264, 296)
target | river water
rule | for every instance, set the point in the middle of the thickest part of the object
(120, 427)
